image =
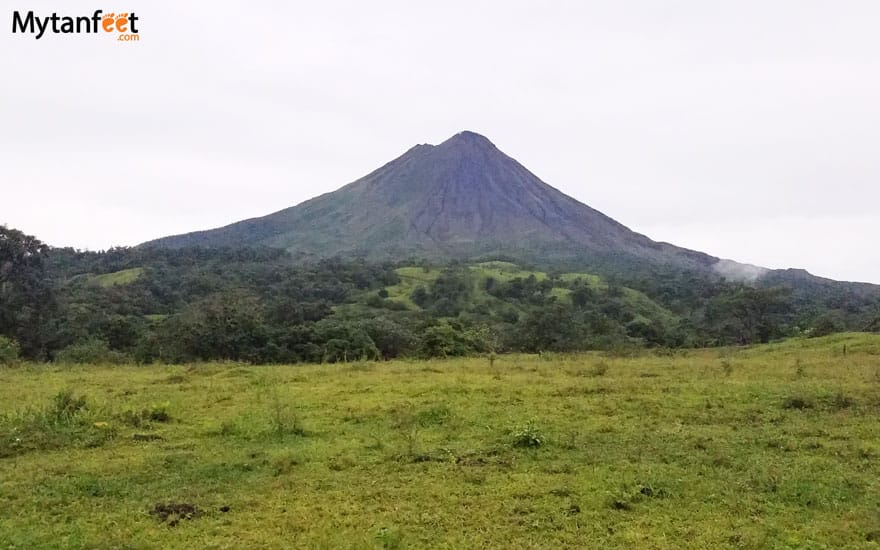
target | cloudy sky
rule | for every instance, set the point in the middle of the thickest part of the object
(748, 129)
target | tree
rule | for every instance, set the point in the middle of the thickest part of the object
(344, 341)
(824, 326)
(228, 325)
(747, 315)
(391, 338)
(26, 298)
(552, 328)
(443, 340)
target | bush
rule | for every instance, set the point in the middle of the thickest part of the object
(528, 436)
(824, 327)
(9, 351)
(91, 352)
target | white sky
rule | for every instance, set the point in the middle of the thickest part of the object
(749, 130)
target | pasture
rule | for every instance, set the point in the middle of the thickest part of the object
(775, 446)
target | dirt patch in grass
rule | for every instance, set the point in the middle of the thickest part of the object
(173, 512)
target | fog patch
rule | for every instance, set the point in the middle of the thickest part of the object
(735, 271)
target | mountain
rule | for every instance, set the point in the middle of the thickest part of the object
(463, 198)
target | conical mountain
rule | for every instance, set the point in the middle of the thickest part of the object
(463, 198)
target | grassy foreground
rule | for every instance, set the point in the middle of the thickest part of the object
(770, 447)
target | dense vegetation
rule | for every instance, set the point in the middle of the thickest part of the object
(774, 446)
(256, 305)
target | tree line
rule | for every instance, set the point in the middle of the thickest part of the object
(160, 305)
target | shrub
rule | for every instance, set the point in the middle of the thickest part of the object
(527, 436)
(158, 413)
(9, 351)
(797, 402)
(91, 352)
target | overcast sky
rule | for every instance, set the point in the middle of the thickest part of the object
(749, 130)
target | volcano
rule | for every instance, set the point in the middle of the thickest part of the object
(462, 199)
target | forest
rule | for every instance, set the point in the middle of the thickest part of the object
(256, 305)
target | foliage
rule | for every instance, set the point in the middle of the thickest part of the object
(263, 306)
(527, 435)
(64, 423)
(26, 300)
(9, 351)
(92, 352)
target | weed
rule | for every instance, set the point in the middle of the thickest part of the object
(283, 419)
(65, 405)
(228, 428)
(841, 401)
(411, 441)
(620, 501)
(651, 491)
(388, 539)
(434, 416)
(527, 436)
(64, 423)
(158, 413)
(341, 463)
(377, 441)
(138, 419)
(797, 402)
(176, 379)
(726, 366)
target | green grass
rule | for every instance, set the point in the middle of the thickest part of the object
(768, 447)
(410, 279)
(123, 277)
(414, 277)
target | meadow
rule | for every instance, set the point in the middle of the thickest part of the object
(772, 446)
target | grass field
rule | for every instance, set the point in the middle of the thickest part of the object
(123, 277)
(770, 447)
(414, 277)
